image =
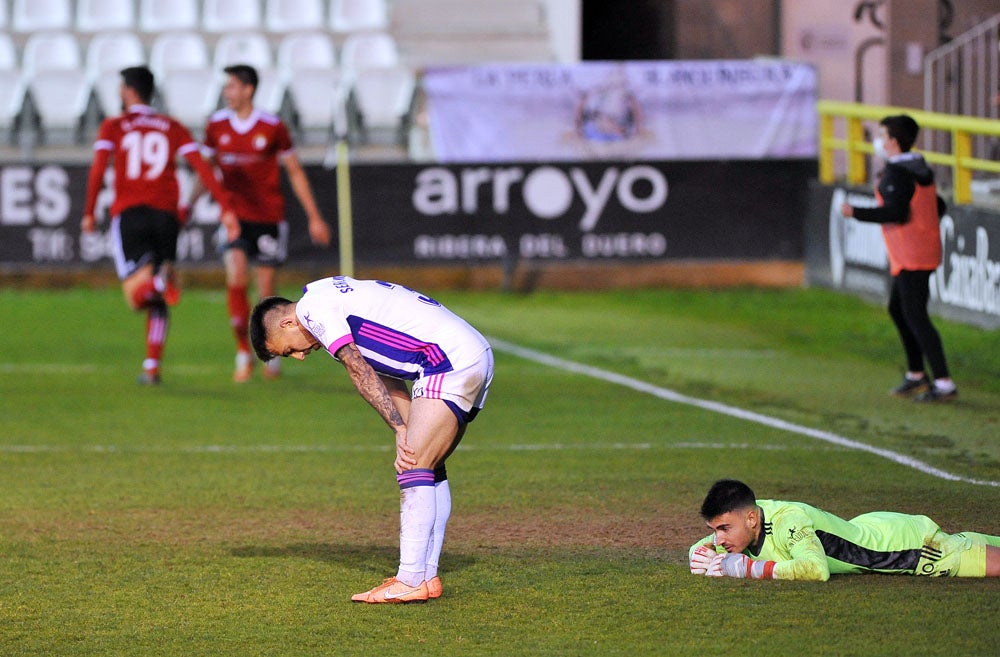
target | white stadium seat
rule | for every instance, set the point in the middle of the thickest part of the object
(251, 48)
(348, 16)
(185, 76)
(282, 16)
(59, 87)
(308, 62)
(104, 15)
(382, 88)
(383, 97)
(167, 15)
(107, 54)
(254, 49)
(36, 15)
(368, 50)
(309, 50)
(12, 84)
(230, 15)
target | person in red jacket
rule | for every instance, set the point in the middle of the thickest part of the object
(909, 212)
(144, 146)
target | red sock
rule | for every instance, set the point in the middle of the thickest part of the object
(143, 295)
(157, 324)
(239, 315)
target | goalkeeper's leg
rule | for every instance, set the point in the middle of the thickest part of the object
(981, 558)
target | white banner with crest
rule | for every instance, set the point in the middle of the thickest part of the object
(662, 110)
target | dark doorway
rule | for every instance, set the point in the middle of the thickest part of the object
(627, 29)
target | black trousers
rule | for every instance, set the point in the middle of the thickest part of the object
(908, 309)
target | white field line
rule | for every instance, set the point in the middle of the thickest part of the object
(732, 411)
(330, 449)
(61, 369)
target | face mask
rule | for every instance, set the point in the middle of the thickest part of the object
(879, 144)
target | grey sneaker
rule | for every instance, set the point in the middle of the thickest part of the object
(910, 387)
(935, 395)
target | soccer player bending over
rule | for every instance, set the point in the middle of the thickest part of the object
(770, 539)
(386, 335)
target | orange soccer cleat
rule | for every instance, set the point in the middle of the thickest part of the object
(392, 591)
(434, 588)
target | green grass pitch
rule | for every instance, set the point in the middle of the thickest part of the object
(207, 518)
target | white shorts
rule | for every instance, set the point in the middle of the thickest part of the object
(464, 390)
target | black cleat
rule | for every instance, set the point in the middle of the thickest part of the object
(910, 387)
(935, 395)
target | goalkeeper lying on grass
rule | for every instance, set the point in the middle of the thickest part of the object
(769, 539)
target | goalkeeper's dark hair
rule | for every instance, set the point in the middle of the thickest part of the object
(259, 324)
(727, 495)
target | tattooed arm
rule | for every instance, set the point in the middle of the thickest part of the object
(373, 390)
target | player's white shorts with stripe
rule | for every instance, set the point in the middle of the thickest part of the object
(464, 389)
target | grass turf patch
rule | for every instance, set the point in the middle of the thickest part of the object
(208, 518)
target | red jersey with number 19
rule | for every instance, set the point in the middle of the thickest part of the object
(247, 152)
(145, 146)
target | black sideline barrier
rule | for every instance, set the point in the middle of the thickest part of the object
(849, 255)
(410, 214)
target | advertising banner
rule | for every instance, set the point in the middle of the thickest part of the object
(845, 254)
(657, 110)
(414, 214)
(581, 211)
(41, 208)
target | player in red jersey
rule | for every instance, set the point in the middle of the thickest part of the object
(247, 145)
(144, 146)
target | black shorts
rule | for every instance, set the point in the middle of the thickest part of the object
(143, 235)
(264, 244)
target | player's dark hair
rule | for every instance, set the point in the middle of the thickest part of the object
(258, 325)
(140, 80)
(244, 73)
(903, 129)
(727, 495)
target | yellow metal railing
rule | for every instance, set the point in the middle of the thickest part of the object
(961, 128)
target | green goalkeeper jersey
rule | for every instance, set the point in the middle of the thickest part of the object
(810, 544)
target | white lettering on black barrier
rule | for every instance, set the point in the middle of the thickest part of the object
(459, 246)
(548, 192)
(623, 245)
(28, 197)
(964, 280)
(967, 281)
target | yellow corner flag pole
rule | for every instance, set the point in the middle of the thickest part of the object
(344, 220)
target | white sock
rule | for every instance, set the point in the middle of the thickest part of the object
(416, 520)
(442, 493)
(944, 385)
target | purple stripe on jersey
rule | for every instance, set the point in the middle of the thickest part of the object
(415, 477)
(401, 341)
(386, 344)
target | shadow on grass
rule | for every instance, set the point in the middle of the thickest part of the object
(376, 558)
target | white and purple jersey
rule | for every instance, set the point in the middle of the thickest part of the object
(402, 334)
